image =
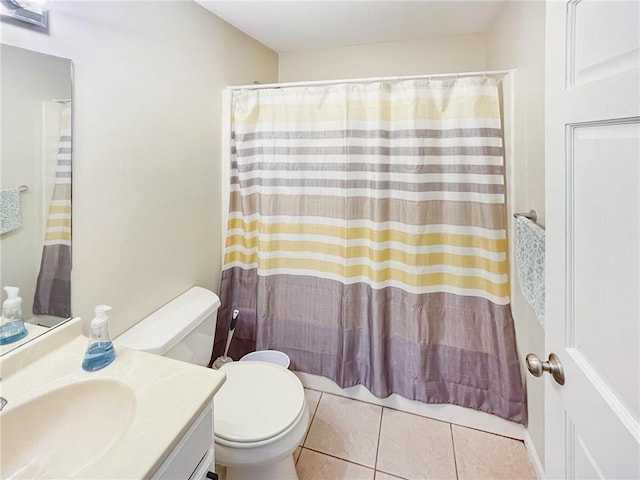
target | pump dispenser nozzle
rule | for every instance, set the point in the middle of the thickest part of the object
(100, 315)
(12, 292)
(12, 306)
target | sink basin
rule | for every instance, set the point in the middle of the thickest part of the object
(40, 436)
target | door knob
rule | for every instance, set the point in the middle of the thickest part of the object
(537, 367)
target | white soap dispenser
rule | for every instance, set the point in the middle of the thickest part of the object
(12, 327)
(100, 351)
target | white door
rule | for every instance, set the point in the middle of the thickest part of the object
(593, 238)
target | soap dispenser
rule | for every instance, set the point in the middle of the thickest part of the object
(100, 351)
(12, 327)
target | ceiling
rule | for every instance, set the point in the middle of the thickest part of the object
(305, 25)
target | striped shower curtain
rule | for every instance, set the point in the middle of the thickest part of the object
(53, 287)
(367, 239)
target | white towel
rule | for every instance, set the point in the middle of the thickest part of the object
(530, 253)
(10, 210)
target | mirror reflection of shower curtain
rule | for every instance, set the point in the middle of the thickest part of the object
(367, 239)
(53, 288)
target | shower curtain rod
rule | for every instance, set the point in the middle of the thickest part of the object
(489, 73)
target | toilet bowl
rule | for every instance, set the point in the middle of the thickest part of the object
(261, 417)
(260, 413)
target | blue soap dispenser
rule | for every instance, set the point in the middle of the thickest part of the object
(12, 326)
(100, 351)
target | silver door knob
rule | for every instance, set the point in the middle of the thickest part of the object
(537, 367)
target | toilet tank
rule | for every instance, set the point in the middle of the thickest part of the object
(182, 329)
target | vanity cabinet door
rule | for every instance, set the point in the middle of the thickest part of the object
(193, 456)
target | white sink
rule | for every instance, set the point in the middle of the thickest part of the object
(72, 425)
(120, 422)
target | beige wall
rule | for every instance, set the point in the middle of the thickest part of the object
(148, 87)
(446, 54)
(517, 41)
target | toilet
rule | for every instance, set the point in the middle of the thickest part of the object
(260, 413)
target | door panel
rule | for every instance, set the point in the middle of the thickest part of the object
(603, 245)
(594, 52)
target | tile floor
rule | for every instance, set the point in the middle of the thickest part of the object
(352, 440)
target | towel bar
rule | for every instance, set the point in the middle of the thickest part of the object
(531, 215)
(23, 188)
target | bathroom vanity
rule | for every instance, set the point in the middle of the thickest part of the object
(143, 416)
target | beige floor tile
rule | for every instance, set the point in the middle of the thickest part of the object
(481, 455)
(415, 447)
(316, 466)
(385, 476)
(296, 454)
(345, 428)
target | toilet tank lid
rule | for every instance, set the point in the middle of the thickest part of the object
(165, 327)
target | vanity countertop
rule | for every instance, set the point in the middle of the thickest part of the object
(135, 410)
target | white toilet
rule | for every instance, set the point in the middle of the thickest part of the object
(260, 413)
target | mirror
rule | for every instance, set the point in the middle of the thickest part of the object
(35, 186)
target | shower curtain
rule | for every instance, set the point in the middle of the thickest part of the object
(367, 239)
(53, 287)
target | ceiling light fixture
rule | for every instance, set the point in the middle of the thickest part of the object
(30, 11)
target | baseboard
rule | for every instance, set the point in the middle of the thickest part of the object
(465, 417)
(533, 456)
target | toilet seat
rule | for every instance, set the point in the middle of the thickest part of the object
(258, 404)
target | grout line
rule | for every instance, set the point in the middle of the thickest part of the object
(397, 409)
(339, 458)
(394, 475)
(417, 414)
(379, 434)
(318, 404)
(453, 444)
(311, 417)
(483, 431)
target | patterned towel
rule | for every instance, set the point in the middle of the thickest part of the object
(530, 252)
(9, 210)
